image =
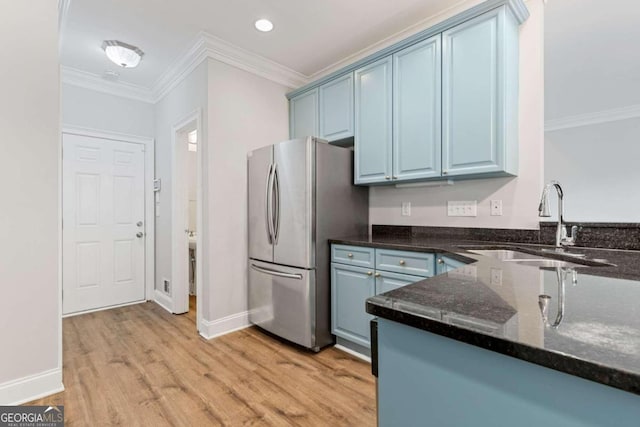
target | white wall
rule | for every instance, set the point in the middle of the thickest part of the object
(30, 330)
(245, 112)
(597, 166)
(183, 100)
(97, 110)
(519, 195)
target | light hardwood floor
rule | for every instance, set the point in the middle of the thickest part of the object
(139, 365)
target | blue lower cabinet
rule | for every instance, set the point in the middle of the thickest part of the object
(386, 281)
(350, 288)
(445, 264)
(427, 379)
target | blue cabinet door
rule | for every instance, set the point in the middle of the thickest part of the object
(417, 111)
(386, 281)
(350, 288)
(303, 115)
(445, 264)
(479, 95)
(373, 116)
(336, 108)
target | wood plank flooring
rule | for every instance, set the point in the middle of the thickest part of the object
(141, 366)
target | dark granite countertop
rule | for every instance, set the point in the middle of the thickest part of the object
(494, 304)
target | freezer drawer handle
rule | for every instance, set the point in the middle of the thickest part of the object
(277, 273)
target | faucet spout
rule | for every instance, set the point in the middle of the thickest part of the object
(562, 239)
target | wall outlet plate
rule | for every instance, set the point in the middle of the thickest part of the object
(496, 208)
(406, 209)
(496, 276)
(462, 208)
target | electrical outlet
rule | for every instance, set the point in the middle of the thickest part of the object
(462, 208)
(496, 276)
(406, 208)
(496, 208)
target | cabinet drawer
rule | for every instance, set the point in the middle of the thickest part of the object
(386, 281)
(352, 255)
(414, 263)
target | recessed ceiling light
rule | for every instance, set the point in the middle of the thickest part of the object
(123, 54)
(264, 25)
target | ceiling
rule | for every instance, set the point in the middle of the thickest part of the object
(308, 36)
(591, 56)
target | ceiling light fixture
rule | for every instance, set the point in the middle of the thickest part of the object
(123, 54)
(264, 25)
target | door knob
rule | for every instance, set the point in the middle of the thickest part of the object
(369, 273)
(377, 275)
(402, 262)
(139, 223)
(139, 234)
(440, 261)
(350, 255)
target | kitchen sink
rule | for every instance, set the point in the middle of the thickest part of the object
(523, 258)
(540, 259)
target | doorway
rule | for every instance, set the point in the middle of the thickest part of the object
(108, 230)
(187, 218)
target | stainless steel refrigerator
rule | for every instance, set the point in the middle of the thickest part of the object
(301, 193)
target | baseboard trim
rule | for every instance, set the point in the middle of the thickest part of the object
(109, 307)
(353, 353)
(32, 387)
(210, 329)
(163, 300)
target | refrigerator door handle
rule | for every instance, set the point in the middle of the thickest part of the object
(276, 272)
(276, 212)
(268, 213)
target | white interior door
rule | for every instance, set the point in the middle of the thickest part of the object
(103, 223)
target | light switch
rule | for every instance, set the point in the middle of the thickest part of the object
(462, 208)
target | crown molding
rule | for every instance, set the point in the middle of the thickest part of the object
(206, 46)
(613, 115)
(84, 79)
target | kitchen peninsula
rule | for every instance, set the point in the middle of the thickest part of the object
(553, 340)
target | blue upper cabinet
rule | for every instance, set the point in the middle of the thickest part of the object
(479, 95)
(417, 111)
(336, 108)
(373, 127)
(303, 115)
(440, 104)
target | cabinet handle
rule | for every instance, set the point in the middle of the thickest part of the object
(377, 275)
(369, 273)
(444, 172)
(402, 262)
(440, 261)
(387, 177)
(394, 177)
(350, 255)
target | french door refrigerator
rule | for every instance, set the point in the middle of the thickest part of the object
(300, 194)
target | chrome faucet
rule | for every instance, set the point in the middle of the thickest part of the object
(562, 239)
(543, 300)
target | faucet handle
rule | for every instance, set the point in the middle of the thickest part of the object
(569, 240)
